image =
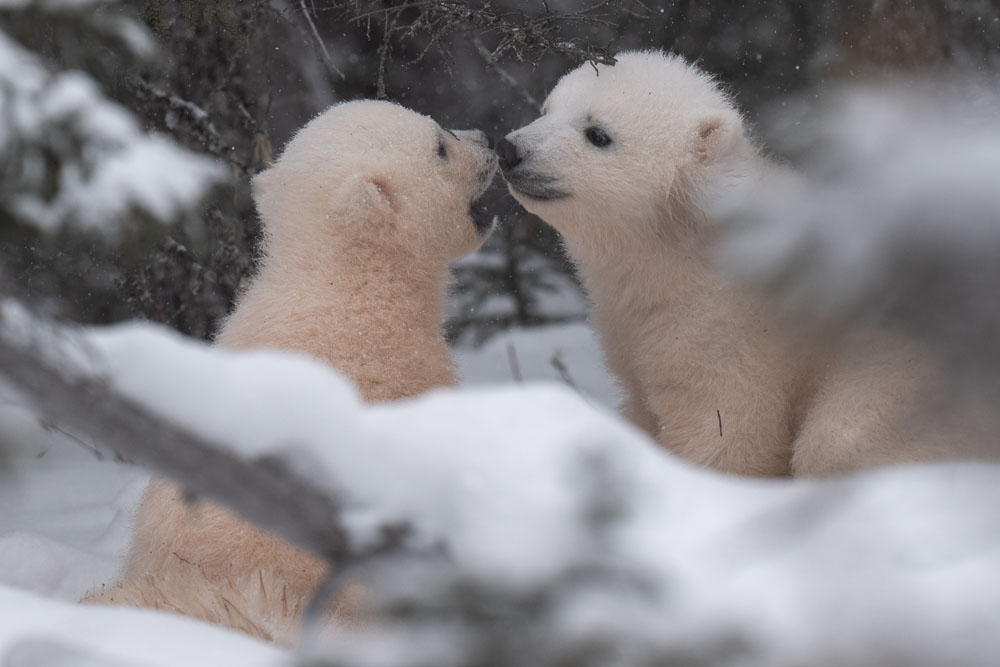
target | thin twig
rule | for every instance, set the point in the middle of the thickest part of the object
(327, 60)
(48, 426)
(504, 75)
(391, 544)
(525, 36)
(515, 367)
(563, 370)
(383, 51)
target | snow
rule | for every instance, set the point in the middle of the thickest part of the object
(272, 420)
(138, 38)
(135, 177)
(525, 475)
(38, 631)
(65, 520)
(534, 355)
(65, 514)
(894, 566)
(119, 171)
(891, 213)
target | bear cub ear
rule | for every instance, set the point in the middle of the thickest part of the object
(367, 196)
(717, 133)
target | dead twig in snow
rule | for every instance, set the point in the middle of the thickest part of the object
(515, 367)
(563, 370)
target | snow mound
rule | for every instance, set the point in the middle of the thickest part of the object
(576, 527)
(40, 632)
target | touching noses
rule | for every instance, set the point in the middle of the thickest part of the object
(477, 136)
(507, 152)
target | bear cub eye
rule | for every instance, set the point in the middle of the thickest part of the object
(597, 136)
(442, 150)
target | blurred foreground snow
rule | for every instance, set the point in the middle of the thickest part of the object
(74, 158)
(37, 631)
(884, 234)
(579, 536)
(891, 217)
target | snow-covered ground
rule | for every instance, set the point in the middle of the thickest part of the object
(65, 517)
(66, 512)
(888, 567)
(568, 354)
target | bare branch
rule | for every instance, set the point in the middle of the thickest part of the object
(563, 370)
(526, 37)
(515, 367)
(313, 35)
(383, 52)
(92, 448)
(327, 60)
(504, 75)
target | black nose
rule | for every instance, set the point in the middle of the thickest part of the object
(507, 152)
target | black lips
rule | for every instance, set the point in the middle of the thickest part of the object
(535, 186)
(508, 155)
(481, 218)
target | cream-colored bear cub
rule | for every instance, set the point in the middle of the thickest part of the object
(624, 162)
(362, 214)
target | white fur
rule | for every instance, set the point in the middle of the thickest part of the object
(704, 367)
(362, 217)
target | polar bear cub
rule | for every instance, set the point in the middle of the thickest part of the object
(620, 163)
(624, 162)
(362, 214)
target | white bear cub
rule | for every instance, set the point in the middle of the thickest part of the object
(625, 162)
(620, 163)
(362, 214)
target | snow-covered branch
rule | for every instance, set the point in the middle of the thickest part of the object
(568, 537)
(76, 159)
(177, 106)
(58, 375)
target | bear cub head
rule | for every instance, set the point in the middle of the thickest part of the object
(622, 154)
(372, 176)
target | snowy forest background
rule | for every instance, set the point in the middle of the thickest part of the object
(234, 80)
(128, 133)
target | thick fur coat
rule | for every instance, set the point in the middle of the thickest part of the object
(624, 162)
(362, 214)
